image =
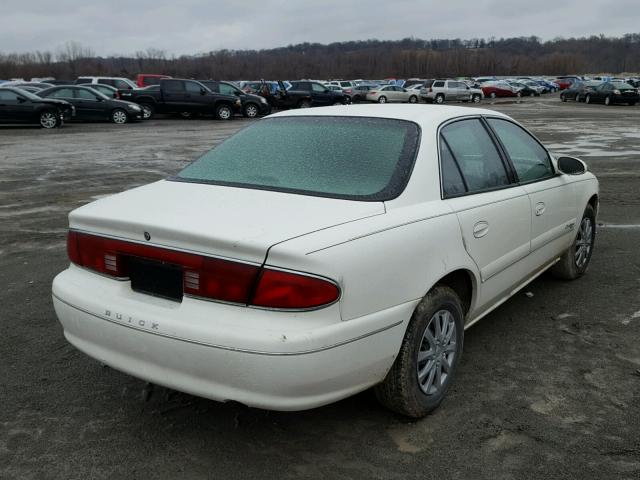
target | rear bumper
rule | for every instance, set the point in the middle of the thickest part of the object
(264, 359)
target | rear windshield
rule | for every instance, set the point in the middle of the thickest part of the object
(357, 158)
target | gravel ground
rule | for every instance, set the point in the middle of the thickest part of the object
(548, 385)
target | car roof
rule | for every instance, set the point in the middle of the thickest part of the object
(426, 116)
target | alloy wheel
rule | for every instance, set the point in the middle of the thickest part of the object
(251, 111)
(437, 352)
(224, 113)
(584, 242)
(119, 117)
(48, 120)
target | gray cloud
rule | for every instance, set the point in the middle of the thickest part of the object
(193, 26)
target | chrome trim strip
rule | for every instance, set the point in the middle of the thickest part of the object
(224, 347)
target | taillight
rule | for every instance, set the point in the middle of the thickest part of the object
(204, 276)
(278, 289)
(373, 92)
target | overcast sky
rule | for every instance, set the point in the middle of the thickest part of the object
(195, 26)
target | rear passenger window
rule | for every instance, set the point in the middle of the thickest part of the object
(476, 155)
(173, 85)
(106, 81)
(529, 158)
(452, 182)
(438, 84)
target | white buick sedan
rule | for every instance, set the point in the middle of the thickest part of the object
(315, 254)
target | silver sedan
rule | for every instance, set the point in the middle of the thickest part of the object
(392, 93)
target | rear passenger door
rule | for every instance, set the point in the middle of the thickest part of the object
(173, 93)
(553, 197)
(494, 212)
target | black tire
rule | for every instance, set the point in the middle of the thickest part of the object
(223, 112)
(563, 98)
(401, 391)
(251, 110)
(519, 94)
(148, 111)
(306, 103)
(587, 99)
(476, 98)
(413, 99)
(119, 116)
(493, 94)
(49, 119)
(577, 99)
(631, 104)
(439, 99)
(568, 267)
(382, 99)
(607, 100)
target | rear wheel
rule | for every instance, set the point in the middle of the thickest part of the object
(119, 116)
(577, 99)
(440, 98)
(519, 94)
(413, 99)
(304, 104)
(587, 99)
(382, 99)
(49, 119)
(476, 98)
(575, 260)
(428, 357)
(223, 112)
(563, 98)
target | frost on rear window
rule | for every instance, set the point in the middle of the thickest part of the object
(342, 157)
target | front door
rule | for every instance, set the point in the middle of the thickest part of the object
(89, 106)
(553, 197)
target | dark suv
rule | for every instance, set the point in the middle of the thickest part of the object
(252, 105)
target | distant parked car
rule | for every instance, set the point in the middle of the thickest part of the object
(566, 81)
(184, 97)
(20, 106)
(524, 89)
(441, 91)
(30, 85)
(93, 105)
(342, 83)
(578, 90)
(146, 79)
(390, 94)
(252, 105)
(107, 90)
(496, 89)
(120, 83)
(359, 93)
(305, 93)
(610, 93)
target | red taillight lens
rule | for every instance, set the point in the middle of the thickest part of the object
(277, 289)
(220, 280)
(204, 276)
(95, 253)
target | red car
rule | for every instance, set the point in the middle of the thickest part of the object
(146, 79)
(498, 89)
(566, 82)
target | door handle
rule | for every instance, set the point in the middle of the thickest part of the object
(480, 229)
(540, 208)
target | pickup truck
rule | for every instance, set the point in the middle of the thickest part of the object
(185, 97)
(304, 94)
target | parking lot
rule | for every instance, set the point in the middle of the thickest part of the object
(548, 385)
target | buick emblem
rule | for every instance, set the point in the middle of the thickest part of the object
(147, 236)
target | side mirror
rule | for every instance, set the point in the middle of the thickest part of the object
(203, 91)
(326, 90)
(100, 99)
(571, 166)
(21, 99)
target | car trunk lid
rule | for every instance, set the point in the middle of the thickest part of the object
(235, 223)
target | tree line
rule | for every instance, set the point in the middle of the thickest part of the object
(410, 57)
